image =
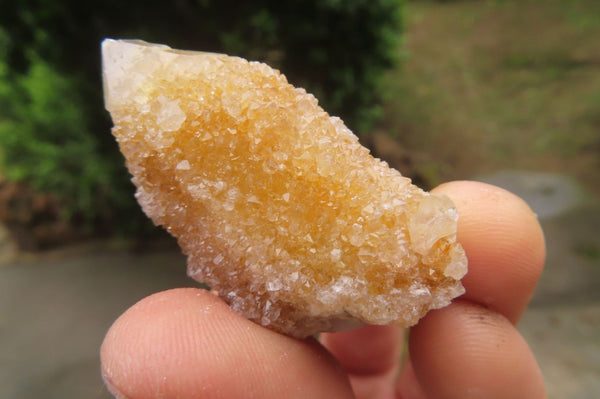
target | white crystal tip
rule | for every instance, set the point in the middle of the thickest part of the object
(120, 61)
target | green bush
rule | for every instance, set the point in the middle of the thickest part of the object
(54, 132)
(46, 141)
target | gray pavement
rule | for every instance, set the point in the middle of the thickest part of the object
(562, 323)
(55, 308)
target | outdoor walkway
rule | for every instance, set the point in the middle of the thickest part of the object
(56, 308)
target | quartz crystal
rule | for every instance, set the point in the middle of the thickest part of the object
(276, 204)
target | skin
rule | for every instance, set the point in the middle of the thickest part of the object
(187, 343)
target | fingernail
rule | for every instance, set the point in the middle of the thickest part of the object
(113, 390)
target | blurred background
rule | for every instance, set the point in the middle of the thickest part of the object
(504, 91)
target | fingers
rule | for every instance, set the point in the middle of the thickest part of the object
(408, 386)
(471, 348)
(187, 343)
(468, 351)
(504, 244)
(370, 355)
(366, 351)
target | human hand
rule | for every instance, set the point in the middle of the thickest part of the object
(187, 343)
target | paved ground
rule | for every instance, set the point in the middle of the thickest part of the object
(562, 323)
(55, 309)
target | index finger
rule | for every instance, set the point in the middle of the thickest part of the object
(472, 347)
(504, 243)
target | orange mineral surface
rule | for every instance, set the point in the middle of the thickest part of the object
(276, 204)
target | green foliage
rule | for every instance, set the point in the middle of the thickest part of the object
(46, 142)
(54, 132)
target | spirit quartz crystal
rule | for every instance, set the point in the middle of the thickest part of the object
(276, 204)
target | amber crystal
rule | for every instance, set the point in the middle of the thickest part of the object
(276, 204)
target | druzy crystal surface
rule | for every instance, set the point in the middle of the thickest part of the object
(276, 204)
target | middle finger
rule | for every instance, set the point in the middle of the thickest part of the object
(370, 357)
